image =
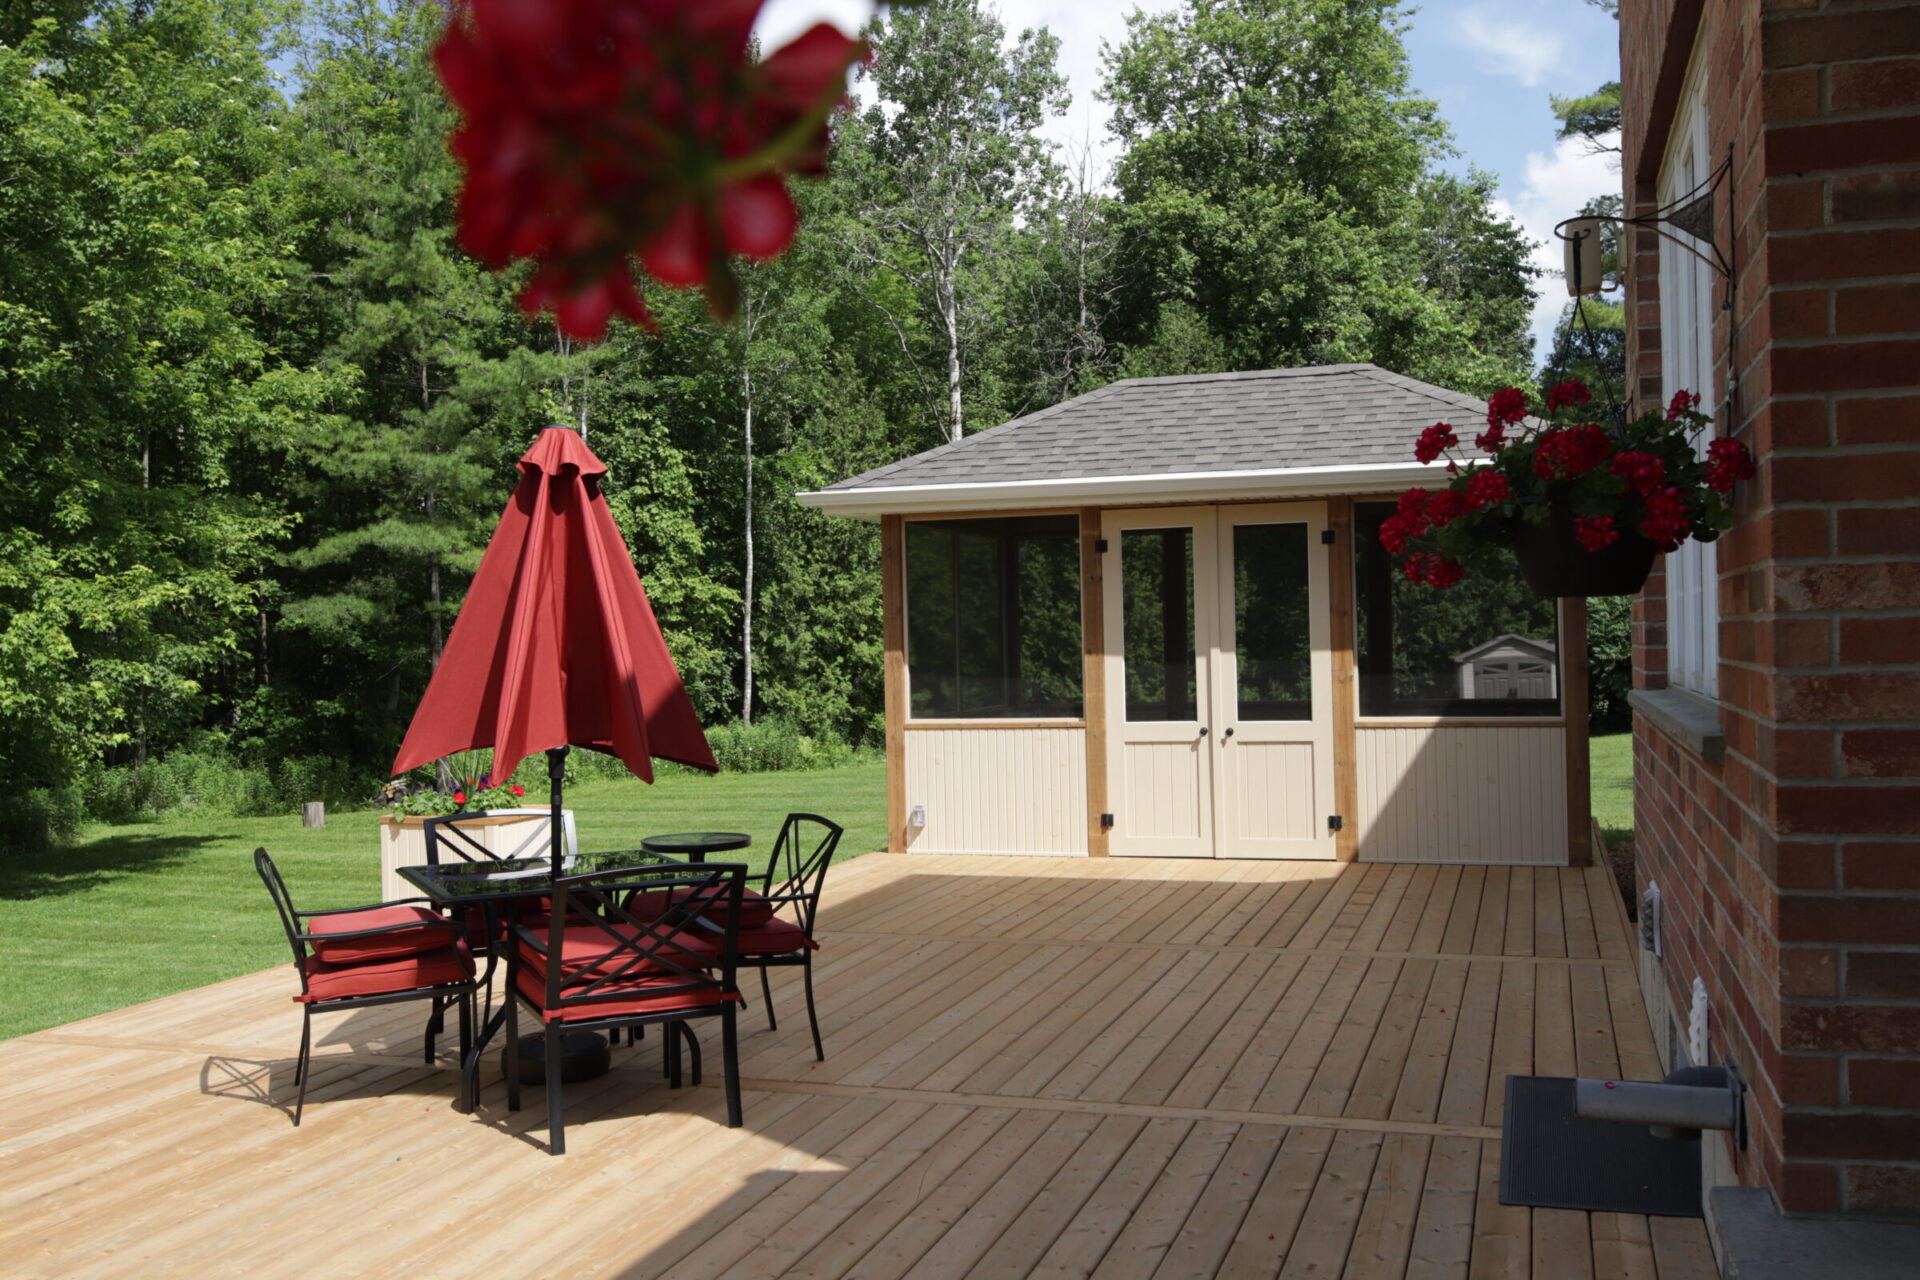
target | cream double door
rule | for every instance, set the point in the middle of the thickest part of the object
(1219, 682)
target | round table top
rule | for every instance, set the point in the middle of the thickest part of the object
(697, 842)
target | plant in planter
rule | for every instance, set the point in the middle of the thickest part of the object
(477, 795)
(1584, 507)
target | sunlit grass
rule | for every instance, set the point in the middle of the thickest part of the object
(1612, 770)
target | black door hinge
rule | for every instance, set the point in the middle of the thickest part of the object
(1326, 536)
(1335, 822)
(1106, 821)
(1100, 545)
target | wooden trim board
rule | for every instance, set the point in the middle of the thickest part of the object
(1346, 683)
(1573, 701)
(893, 595)
(1093, 680)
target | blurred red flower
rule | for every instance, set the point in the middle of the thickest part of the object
(595, 130)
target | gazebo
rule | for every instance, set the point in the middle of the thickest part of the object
(1155, 620)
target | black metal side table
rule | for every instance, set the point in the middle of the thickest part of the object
(694, 846)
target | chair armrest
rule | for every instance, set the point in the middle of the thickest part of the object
(451, 926)
(371, 906)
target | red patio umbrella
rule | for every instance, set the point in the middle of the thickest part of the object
(556, 644)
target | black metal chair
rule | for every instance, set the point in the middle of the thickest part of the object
(780, 934)
(619, 970)
(379, 954)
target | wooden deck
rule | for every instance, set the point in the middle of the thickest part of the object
(1045, 1067)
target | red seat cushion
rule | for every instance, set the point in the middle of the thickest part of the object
(329, 981)
(663, 994)
(595, 949)
(775, 938)
(429, 933)
(755, 910)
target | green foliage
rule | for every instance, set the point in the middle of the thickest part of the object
(1609, 663)
(774, 745)
(209, 781)
(1593, 117)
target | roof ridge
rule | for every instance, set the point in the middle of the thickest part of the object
(1303, 371)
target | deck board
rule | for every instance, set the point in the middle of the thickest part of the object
(1046, 1067)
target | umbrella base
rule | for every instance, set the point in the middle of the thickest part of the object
(584, 1055)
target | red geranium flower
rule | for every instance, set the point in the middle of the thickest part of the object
(1667, 520)
(593, 130)
(1506, 406)
(1682, 402)
(1444, 506)
(1565, 452)
(1641, 470)
(1434, 441)
(1484, 488)
(1493, 439)
(1568, 393)
(459, 797)
(1727, 461)
(517, 791)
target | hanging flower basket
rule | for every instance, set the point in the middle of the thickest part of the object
(1584, 508)
(1554, 563)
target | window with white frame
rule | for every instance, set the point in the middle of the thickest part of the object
(1686, 363)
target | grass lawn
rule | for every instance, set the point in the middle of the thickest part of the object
(1612, 770)
(132, 913)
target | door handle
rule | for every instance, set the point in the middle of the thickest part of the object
(1227, 734)
(1203, 731)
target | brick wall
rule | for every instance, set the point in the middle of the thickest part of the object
(1791, 869)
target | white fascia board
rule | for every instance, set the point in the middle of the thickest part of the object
(1105, 491)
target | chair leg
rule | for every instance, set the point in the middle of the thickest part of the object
(730, 1052)
(766, 992)
(813, 1018)
(556, 1096)
(466, 1045)
(512, 1071)
(693, 1044)
(433, 1027)
(300, 1072)
(670, 1047)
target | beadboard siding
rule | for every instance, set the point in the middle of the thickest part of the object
(1463, 795)
(999, 790)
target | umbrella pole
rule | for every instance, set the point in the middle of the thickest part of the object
(556, 774)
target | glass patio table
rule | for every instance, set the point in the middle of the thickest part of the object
(490, 885)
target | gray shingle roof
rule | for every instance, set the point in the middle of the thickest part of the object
(1269, 420)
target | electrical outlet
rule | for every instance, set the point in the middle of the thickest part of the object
(917, 817)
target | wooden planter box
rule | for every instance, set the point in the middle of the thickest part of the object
(403, 843)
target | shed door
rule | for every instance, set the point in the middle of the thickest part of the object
(1219, 682)
(1161, 609)
(1273, 686)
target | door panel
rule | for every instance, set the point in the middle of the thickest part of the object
(1273, 673)
(1160, 608)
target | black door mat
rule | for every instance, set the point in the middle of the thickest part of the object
(1551, 1158)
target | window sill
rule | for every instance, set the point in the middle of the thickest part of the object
(1687, 718)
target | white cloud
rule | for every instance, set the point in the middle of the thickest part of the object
(782, 20)
(1506, 44)
(1556, 186)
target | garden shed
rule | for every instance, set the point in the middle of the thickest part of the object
(1156, 620)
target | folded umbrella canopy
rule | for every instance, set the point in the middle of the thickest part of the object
(556, 644)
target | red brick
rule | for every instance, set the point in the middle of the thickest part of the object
(1849, 695)
(1880, 308)
(1876, 419)
(1881, 753)
(1870, 86)
(1886, 975)
(1847, 586)
(1840, 37)
(1856, 1028)
(1803, 864)
(1796, 206)
(1870, 864)
(1879, 639)
(1863, 810)
(1791, 95)
(1882, 1188)
(1798, 423)
(1846, 477)
(1883, 1082)
(1797, 642)
(1852, 366)
(1810, 1080)
(1799, 313)
(1816, 918)
(1846, 144)
(1856, 1136)
(1879, 531)
(1876, 197)
(1806, 1187)
(1809, 971)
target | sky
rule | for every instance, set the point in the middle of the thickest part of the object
(1490, 64)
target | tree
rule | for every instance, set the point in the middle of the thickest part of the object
(138, 247)
(1278, 185)
(946, 156)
